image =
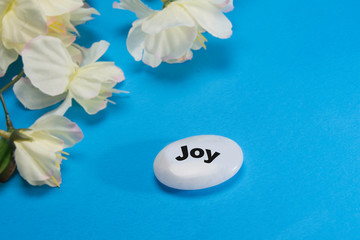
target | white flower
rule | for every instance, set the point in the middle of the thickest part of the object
(63, 16)
(23, 20)
(39, 156)
(169, 35)
(53, 75)
(20, 21)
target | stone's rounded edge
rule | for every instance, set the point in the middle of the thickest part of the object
(241, 153)
(161, 174)
(159, 166)
(186, 186)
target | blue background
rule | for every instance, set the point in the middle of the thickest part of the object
(285, 87)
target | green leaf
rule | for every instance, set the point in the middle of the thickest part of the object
(7, 163)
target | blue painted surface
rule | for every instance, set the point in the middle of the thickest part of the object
(285, 87)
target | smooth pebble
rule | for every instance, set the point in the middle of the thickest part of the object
(198, 162)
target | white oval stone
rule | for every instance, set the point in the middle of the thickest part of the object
(198, 162)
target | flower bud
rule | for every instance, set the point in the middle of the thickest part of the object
(17, 135)
(7, 162)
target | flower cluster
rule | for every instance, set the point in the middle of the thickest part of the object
(169, 35)
(56, 69)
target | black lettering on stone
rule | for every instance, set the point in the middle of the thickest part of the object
(197, 155)
(211, 157)
(185, 154)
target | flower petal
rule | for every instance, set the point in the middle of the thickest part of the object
(186, 57)
(210, 18)
(60, 127)
(22, 22)
(55, 8)
(4, 5)
(50, 181)
(197, 45)
(32, 98)
(64, 106)
(151, 59)
(75, 52)
(93, 105)
(87, 82)
(136, 6)
(67, 38)
(48, 64)
(92, 54)
(172, 43)
(84, 86)
(135, 40)
(227, 6)
(171, 16)
(82, 15)
(36, 160)
(7, 57)
(224, 5)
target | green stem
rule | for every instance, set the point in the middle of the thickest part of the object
(167, 2)
(9, 124)
(5, 134)
(17, 78)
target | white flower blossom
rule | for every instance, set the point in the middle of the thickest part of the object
(39, 155)
(54, 75)
(20, 21)
(23, 20)
(63, 16)
(169, 35)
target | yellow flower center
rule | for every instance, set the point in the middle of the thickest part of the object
(57, 27)
(58, 165)
(55, 181)
(201, 39)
